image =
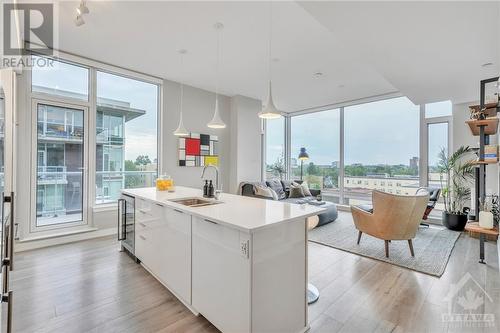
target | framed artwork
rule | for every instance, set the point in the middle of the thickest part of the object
(197, 150)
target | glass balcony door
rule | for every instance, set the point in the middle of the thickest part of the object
(60, 146)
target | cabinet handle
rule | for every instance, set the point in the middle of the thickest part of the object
(179, 211)
(142, 237)
(210, 221)
(159, 205)
(142, 211)
(121, 208)
(142, 225)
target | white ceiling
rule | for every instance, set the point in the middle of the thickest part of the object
(429, 51)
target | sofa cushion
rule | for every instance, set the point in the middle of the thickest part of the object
(286, 184)
(305, 188)
(296, 191)
(264, 191)
(248, 188)
(302, 200)
(277, 187)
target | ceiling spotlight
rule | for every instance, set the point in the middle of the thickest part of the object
(318, 75)
(79, 20)
(82, 8)
(488, 64)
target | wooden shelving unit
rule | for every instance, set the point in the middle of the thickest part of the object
(483, 129)
(490, 126)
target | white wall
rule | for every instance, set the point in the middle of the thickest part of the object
(198, 111)
(246, 141)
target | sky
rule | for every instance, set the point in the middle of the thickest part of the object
(140, 133)
(383, 132)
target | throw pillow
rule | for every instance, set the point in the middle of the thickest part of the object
(265, 192)
(296, 192)
(275, 184)
(305, 188)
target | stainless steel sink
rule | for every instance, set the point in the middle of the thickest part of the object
(195, 202)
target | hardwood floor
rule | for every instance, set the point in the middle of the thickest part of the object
(92, 287)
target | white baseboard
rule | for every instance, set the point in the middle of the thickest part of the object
(37, 243)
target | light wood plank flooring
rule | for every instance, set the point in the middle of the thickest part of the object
(90, 286)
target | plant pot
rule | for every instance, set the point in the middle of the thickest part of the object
(455, 222)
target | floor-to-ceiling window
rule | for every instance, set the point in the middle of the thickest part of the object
(126, 135)
(275, 148)
(69, 101)
(437, 124)
(381, 149)
(318, 135)
(60, 114)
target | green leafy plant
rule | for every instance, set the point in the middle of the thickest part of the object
(495, 210)
(455, 174)
(278, 167)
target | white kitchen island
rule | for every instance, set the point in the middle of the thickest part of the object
(241, 263)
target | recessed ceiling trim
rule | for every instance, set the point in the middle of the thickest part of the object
(369, 99)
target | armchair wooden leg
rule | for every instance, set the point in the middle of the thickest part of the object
(410, 244)
(359, 236)
(387, 248)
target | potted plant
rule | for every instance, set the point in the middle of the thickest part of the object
(278, 167)
(455, 174)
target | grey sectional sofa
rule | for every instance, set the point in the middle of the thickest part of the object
(282, 188)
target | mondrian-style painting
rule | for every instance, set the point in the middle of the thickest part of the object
(198, 150)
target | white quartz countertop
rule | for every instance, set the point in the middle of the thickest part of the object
(244, 213)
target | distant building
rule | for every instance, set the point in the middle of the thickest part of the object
(335, 164)
(60, 156)
(293, 162)
(414, 163)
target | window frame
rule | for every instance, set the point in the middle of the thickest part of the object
(91, 112)
(33, 227)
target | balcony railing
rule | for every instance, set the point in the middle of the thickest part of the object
(110, 183)
(59, 131)
(105, 135)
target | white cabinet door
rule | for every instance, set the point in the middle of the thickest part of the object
(163, 244)
(221, 276)
(173, 252)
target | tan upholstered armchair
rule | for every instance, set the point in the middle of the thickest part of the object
(394, 217)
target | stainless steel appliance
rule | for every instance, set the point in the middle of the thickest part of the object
(126, 223)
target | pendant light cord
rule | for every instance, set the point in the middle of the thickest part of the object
(217, 64)
(182, 86)
(270, 38)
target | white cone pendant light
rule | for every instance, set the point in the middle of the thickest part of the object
(269, 111)
(216, 121)
(181, 130)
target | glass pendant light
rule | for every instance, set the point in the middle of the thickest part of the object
(216, 121)
(181, 130)
(270, 111)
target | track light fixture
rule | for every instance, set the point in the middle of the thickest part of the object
(79, 20)
(80, 11)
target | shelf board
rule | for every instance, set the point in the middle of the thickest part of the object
(484, 162)
(474, 227)
(490, 125)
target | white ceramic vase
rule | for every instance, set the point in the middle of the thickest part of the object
(486, 220)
